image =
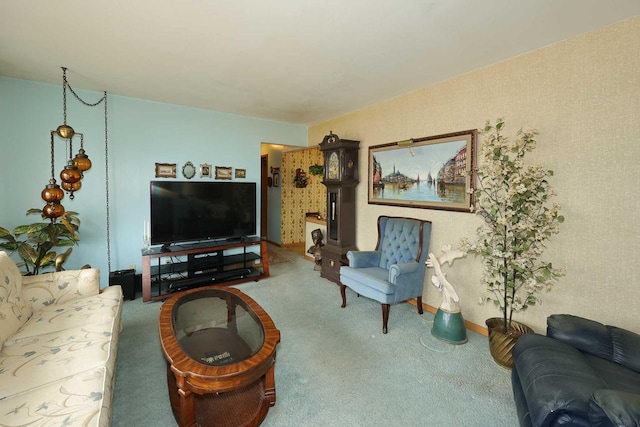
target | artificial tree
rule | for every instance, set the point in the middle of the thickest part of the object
(515, 202)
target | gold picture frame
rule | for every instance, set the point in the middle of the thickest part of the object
(205, 170)
(435, 172)
(223, 172)
(241, 173)
(165, 170)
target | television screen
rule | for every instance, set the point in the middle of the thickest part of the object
(190, 211)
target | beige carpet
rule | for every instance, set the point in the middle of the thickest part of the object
(279, 255)
(335, 368)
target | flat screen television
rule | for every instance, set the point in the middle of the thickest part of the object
(184, 211)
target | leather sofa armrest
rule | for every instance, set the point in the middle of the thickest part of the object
(63, 286)
(363, 259)
(609, 408)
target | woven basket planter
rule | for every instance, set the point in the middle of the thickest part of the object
(501, 343)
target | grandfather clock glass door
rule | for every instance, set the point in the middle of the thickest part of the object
(340, 178)
(334, 213)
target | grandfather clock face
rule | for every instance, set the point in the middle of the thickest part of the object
(333, 166)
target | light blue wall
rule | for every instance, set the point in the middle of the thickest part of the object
(141, 133)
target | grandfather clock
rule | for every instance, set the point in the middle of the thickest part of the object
(340, 178)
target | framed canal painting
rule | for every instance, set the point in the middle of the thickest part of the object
(435, 172)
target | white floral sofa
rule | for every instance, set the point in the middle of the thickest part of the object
(58, 347)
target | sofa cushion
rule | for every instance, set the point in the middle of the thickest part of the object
(60, 287)
(373, 277)
(614, 375)
(47, 358)
(79, 400)
(14, 311)
(610, 408)
(95, 309)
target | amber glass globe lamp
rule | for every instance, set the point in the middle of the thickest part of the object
(71, 188)
(82, 161)
(70, 173)
(53, 210)
(52, 192)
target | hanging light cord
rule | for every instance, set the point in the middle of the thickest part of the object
(71, 147)
(106, 180)
(52, 166)
(64, 94)
(106, 153)
(88, 104)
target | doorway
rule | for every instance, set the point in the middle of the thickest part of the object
(264, 200)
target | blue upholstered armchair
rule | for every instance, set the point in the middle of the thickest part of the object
(395, 271)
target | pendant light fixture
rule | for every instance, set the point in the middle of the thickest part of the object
(75, 168)
(73, 172)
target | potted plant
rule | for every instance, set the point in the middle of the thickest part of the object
(515, 202)
(35, 242)
(316, 169)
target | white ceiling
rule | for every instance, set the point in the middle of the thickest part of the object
(298, 61)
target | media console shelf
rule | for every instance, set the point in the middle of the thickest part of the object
(220, 263)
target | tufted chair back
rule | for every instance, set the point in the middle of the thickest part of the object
(399, 241)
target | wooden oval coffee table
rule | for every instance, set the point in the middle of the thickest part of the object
(220, 347)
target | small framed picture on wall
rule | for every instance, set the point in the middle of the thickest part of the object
(276, 179)
(223, 172)
(165, 170)
(205, 170)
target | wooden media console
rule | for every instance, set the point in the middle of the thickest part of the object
(225, 263)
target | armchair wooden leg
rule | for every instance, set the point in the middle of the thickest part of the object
(385, 317)
(419, 304)
(344, 295)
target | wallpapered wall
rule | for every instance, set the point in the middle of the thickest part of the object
(583, 95)
(297, 201)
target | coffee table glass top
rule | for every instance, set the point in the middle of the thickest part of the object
(214, 327)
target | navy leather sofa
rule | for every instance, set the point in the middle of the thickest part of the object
(582, 373)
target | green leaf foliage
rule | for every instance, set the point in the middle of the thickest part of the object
(36, 243)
